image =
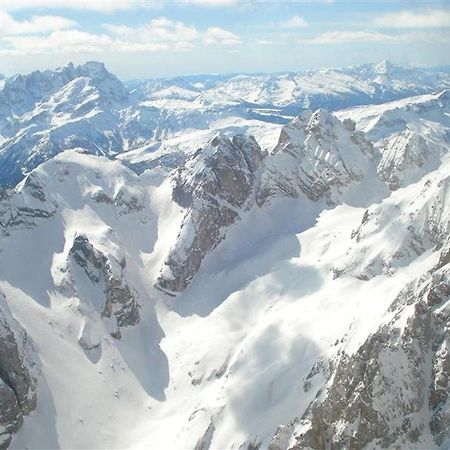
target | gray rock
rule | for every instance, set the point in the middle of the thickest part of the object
(214, 186)
(280, 441)
(421, 224)
(18, 383)
(403, 156)
(395, 387)
(120, 300)
(204, 443)
(317, 156)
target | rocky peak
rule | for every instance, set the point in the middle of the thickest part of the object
(317, 155)
(404, 158)
(107, 83)
(213, 186)
(400, 228)
(21, 92)
(384, 67)
(25, 206)
(224, 169)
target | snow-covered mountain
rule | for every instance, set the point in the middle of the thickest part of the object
(44, 113)
(198, 277)
(322, 88)
(412, 135)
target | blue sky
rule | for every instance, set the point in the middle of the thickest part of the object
(148, 38)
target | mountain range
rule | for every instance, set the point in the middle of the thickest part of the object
(241, 262)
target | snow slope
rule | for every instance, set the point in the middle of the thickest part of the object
(239, 343)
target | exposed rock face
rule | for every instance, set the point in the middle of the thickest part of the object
(204, 443)
(11, 416)
(318, 156)
(281, 438)
(214, 186)
(394, 390)
(119, 299)
(18, 384)
(19, 212)
(86, 100)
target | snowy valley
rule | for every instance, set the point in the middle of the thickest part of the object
(225, 262)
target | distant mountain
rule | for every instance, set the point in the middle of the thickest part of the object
(323, 88)
(44, 113)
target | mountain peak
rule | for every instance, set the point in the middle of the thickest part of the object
(384, 67)
(94, 69)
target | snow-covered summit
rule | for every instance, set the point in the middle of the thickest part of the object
(412, 135)
(317, 155)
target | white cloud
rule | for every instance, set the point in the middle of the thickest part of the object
(345, 37)
(36, 25)
(342, 37)
(92, 5)
(160, 30)
(264, 42)
(157, 35)
(432, 18)
(219, 36)
(108, 5)
(295, 22)
(70, 41)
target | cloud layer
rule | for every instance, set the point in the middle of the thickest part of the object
(36, 25)
(432, 18)
(295, 22)
(53, 34)
(108, 6)
(350, 37)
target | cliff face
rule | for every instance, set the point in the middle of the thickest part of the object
(18, 383)
(394, 390)
(119, 301)
(214, 187)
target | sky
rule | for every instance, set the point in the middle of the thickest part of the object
(158, 38)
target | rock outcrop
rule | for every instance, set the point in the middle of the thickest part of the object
(214, 186)
(393, 391)
(404, 157)
(18, 383)
(25, 210)
(99, 268)
(411, 135)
